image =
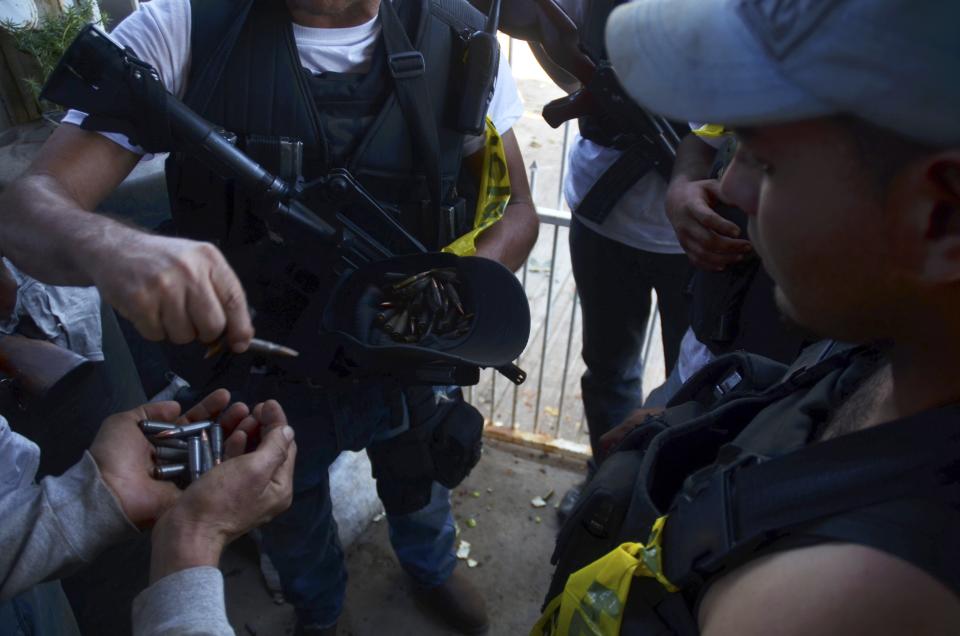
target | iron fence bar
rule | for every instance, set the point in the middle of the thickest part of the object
(566, 363)
(534, 169)
(493, 394)
(648, 336)
(563, 164)
(550, 216)
(546, 329)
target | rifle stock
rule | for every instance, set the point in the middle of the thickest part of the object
(37, 366)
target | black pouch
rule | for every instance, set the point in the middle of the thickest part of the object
(442, 445)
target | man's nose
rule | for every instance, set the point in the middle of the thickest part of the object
(740, 186)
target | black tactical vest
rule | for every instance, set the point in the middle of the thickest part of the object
(736, 465)
(246, 77)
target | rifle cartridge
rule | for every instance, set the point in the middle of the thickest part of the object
(169, 471)
(185, 430)
(150, 427)
(163, 453)
(195, 459)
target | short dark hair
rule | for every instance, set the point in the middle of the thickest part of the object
(882, 151)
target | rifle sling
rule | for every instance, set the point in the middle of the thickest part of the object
(629, 168)
(407, 66)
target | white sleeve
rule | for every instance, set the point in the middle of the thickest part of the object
(185, 603)
(506, 107)
(159, 34)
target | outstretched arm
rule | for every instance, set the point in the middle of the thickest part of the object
(169, 288)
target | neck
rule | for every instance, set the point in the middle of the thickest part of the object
(923, 369)
(332, 14)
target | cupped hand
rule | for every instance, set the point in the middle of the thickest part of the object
(177, 290)
(245, 491)
(125, 456)
(710, 241)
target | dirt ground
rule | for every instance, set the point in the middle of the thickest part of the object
(511, 542)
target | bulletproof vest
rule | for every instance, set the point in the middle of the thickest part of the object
(731, 464)
(246, 77)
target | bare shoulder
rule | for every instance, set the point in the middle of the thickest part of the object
(828, 589)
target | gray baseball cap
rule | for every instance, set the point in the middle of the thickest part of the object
(894, 63)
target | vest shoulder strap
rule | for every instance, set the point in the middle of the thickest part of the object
(752, 500)
(214, 28)
(458, 14)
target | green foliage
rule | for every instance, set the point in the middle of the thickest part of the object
(47, 40)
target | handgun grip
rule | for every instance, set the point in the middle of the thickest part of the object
(564, 109)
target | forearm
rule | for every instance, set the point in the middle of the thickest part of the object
(694, 160)
(50, 236)
(52, 527)
(510, 240)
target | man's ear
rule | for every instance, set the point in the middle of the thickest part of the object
(937, 202)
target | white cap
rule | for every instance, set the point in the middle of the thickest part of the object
(894, 63)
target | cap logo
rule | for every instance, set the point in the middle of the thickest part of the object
(783, 24)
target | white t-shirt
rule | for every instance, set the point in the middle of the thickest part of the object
(159, 33)
(638, 219)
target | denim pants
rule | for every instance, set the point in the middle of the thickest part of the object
(614, 283)
(303, 543)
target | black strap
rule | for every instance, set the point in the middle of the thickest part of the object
(629, 168)
(752, 500)
(215, 27)
(407, 66)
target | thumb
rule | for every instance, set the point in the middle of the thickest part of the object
(272, 453)
(711, 188)
(158, 411)
(271, 414)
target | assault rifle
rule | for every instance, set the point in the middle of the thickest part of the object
(338, 337)
(608, 115)
(38, 367)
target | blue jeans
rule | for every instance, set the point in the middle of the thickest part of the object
(303, 542)
(614, 283)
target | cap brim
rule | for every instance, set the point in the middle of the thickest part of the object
(696, 60)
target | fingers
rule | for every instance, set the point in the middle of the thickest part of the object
(270, 414)
(158, 411)
(708, 250)
(708, 218)
(174, 319)
(206, 312)
(229, 291)
(231, 418)
(209, 407)
(274, 453)
(146, 323)
(235, 445)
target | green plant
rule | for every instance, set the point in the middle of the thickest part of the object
(47, 40)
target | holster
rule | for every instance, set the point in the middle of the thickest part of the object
(443, 444)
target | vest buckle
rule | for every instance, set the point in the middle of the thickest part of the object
(406, 65)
